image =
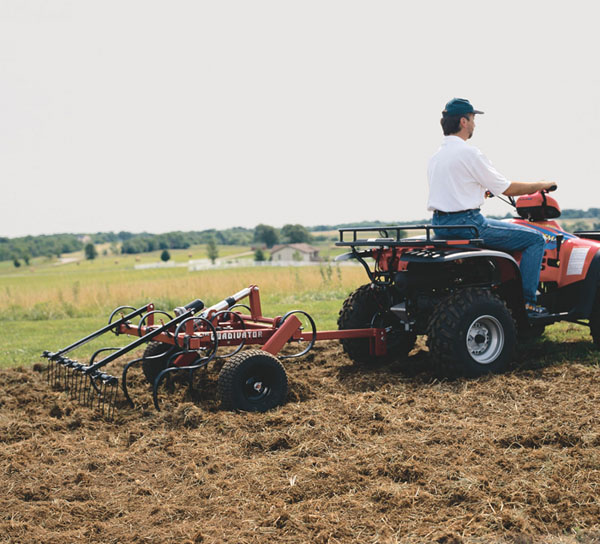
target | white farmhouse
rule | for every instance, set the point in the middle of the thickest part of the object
(295, 252)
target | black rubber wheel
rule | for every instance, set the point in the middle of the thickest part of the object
(595, 320)
(252, 381)
(474, 330)
(367, 307)
(156, 358)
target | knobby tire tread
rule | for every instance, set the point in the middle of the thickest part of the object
(356, 312)
(226, 384)
(441, 330)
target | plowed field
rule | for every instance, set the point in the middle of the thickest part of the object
(387, 454)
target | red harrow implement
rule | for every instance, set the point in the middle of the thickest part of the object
(250, 380)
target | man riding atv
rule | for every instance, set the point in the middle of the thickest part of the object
(460, 178)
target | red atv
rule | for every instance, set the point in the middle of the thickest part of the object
(467, 299)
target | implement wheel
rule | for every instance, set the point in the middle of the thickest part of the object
(474, 330)
(367, 307)
(252, 381)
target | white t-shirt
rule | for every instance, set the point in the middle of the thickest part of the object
(459, 175)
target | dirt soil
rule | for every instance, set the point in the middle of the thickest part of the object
(371, 455)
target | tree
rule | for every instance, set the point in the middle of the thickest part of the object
(295, 234)
(259, 255)
(90, 251)
(16, 262)
(212, 251)
(165, 256)
(266, 234)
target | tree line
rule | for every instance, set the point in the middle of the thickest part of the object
(22, 249)
(54, 245)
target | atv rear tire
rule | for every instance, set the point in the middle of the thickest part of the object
(156, 358)
(367, 307)
(474, 330)
(252, 381)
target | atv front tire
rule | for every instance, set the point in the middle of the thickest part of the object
(474, 330)
(367, 307)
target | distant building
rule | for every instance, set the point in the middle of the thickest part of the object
(295, 252)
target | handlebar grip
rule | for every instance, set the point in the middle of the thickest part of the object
(552, 188)
(195, 305)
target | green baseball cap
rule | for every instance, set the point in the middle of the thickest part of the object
(459, 106)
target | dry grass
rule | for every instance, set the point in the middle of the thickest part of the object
(87, 291)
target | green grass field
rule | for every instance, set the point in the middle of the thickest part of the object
(51, 303)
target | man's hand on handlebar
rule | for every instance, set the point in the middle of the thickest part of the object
(518, 188)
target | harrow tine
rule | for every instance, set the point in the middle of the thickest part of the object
(73, 378)
(80, 385)
(84, 390)
(56, 375)
(50, 373)
(124, 379)
(112, 400)
(164, 374)
(103, 392)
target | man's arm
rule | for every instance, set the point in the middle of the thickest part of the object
(517, 188)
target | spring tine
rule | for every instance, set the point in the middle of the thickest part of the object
(100, 399)
(72, 380)
(100, 396)
(57, 377)
(65, 377)
(114, 392)
(105, 387)
(111, 400)
(90, 392)
(97, 395)
(77, 373)
(78, 385)
(124, 379)
(82, 389)
(53, 374)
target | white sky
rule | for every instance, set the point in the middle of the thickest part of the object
(187, 115)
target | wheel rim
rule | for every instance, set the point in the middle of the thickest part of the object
(485, 339)
(256, 388)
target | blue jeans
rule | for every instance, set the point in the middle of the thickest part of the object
(502, 236)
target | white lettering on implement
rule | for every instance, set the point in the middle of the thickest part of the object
(577, 260)
(238, 335)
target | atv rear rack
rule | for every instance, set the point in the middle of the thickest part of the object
(387, 247)
(396, 240)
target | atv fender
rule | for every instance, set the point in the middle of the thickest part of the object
(589, 288)
(506, 278)
(510, 287)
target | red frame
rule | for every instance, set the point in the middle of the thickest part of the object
(268, 332)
